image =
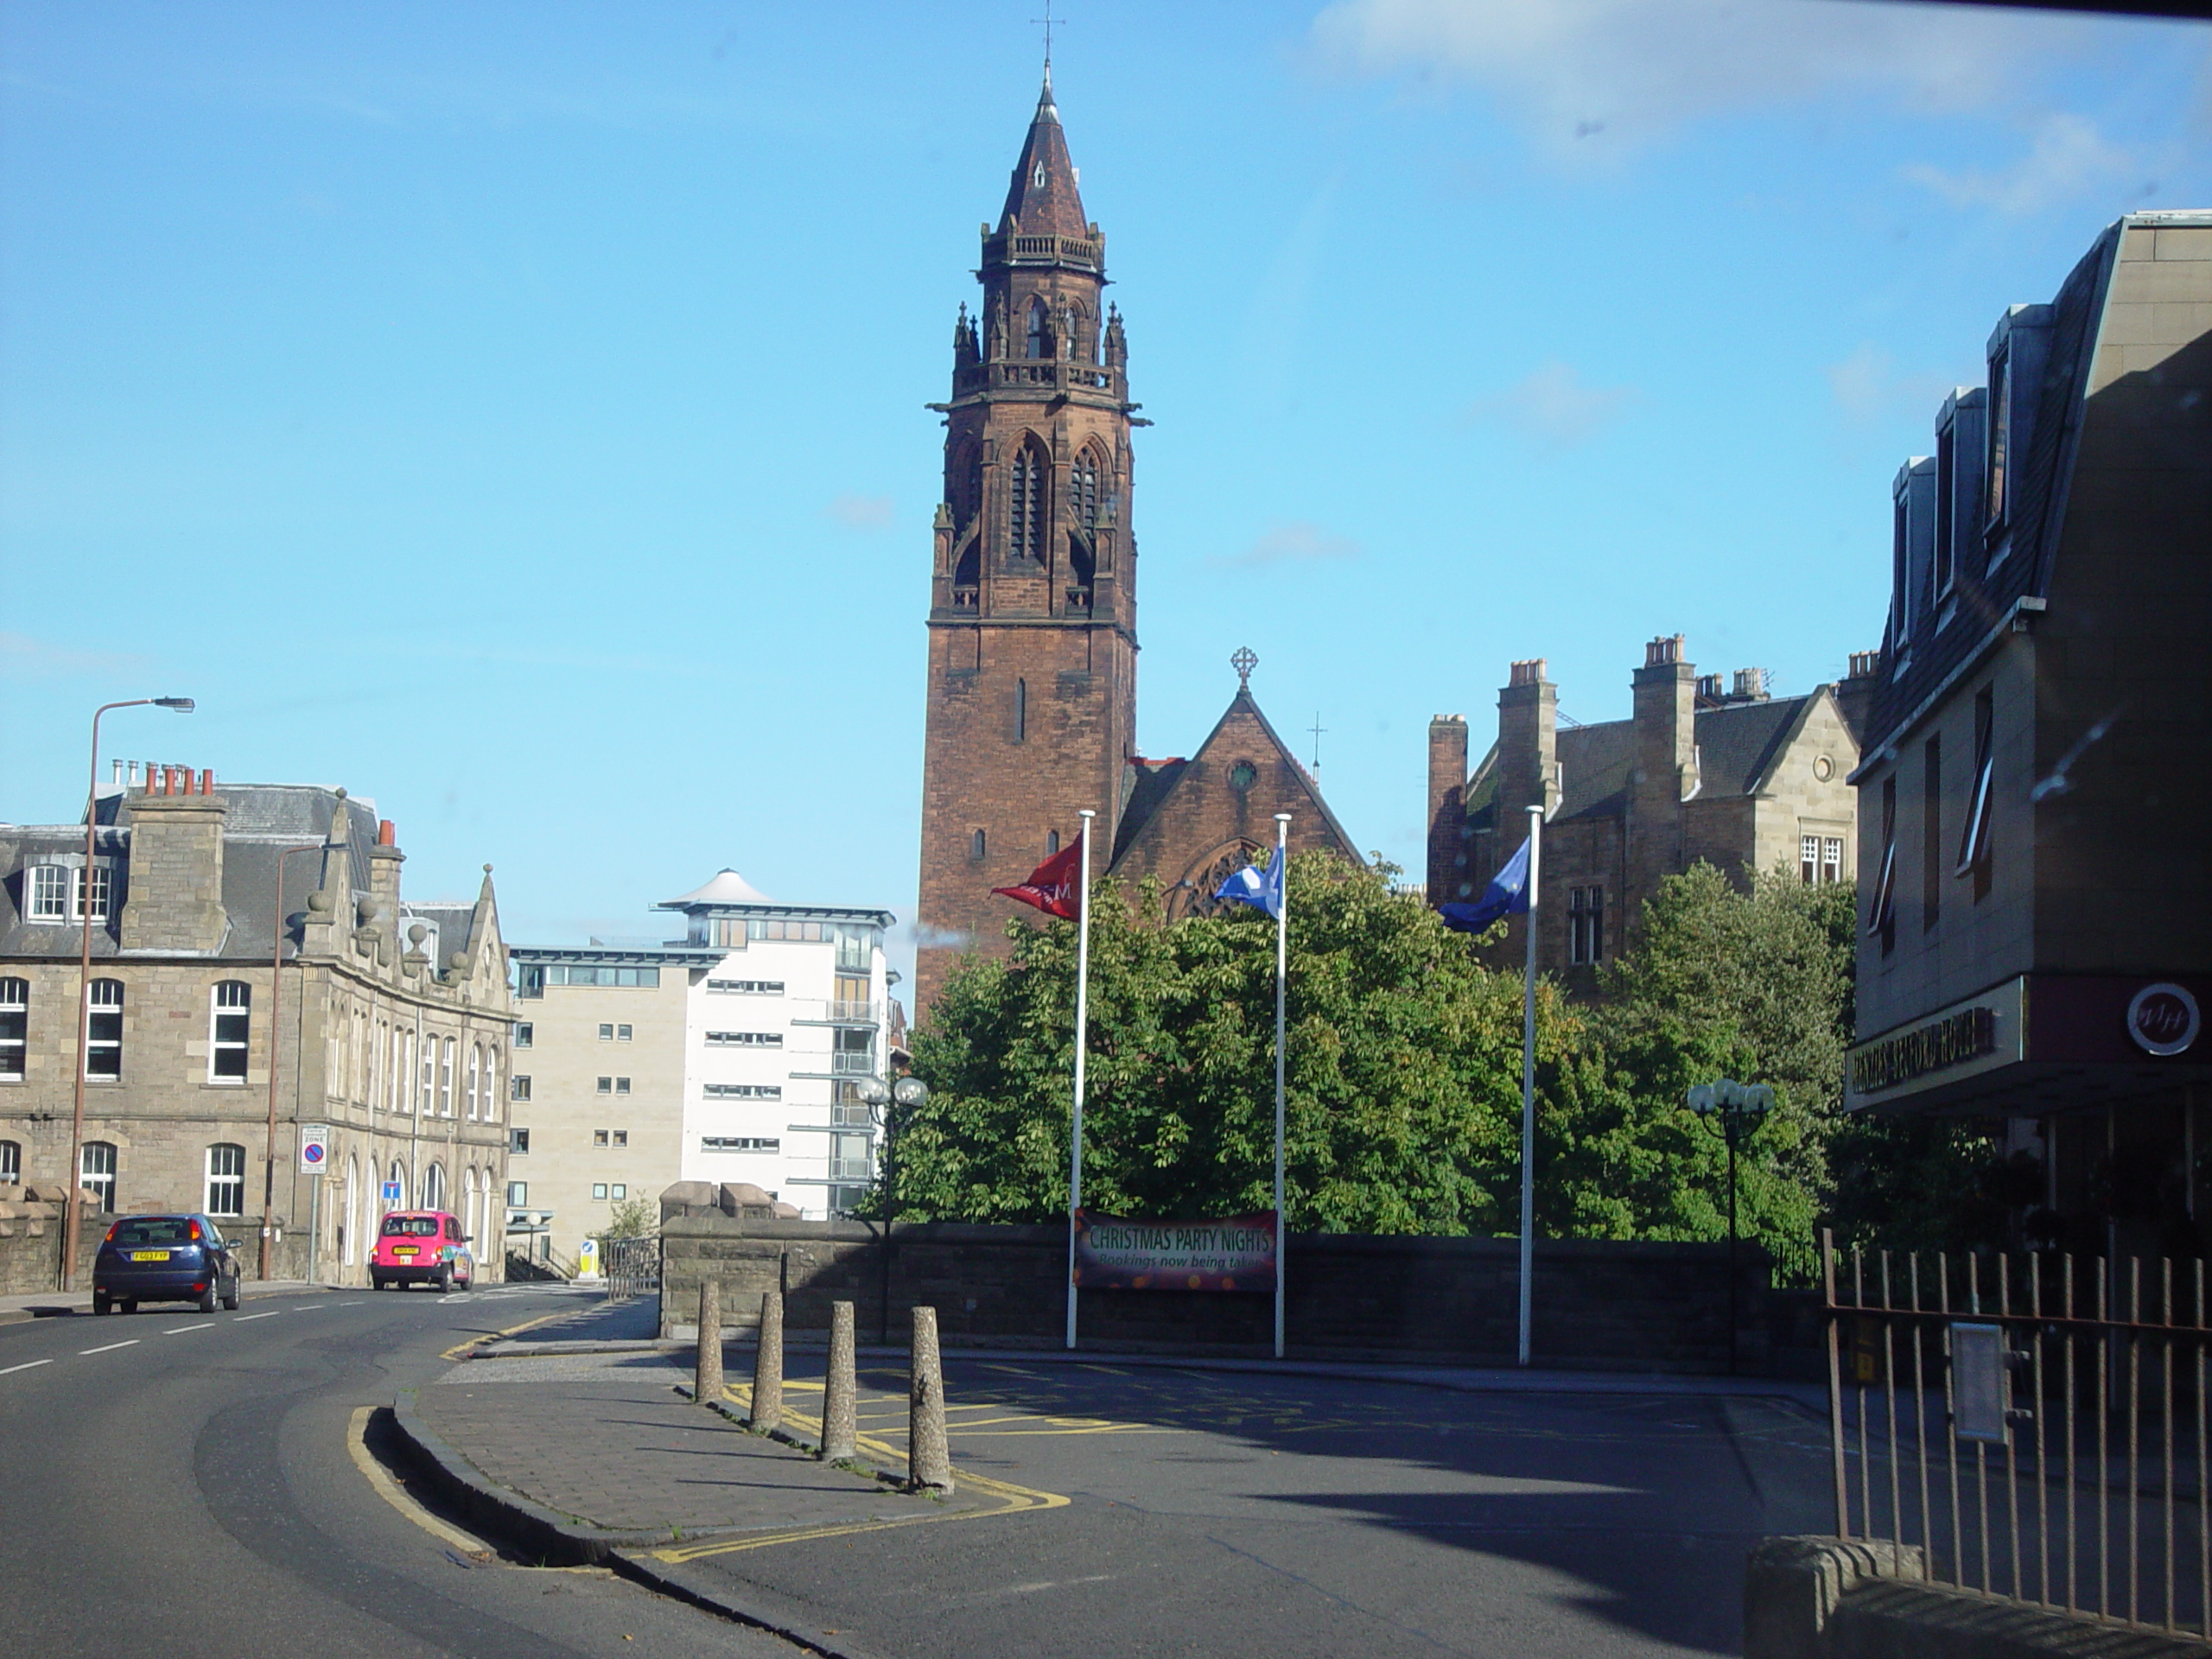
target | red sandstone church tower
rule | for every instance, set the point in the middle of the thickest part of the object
(1033, 604)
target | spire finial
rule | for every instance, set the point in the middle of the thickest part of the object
(1244, 662)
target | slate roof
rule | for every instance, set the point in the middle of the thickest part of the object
(1988, 597)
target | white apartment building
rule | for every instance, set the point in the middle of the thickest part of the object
(784, 1009)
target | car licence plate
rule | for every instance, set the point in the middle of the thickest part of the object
(406, 1250)
(149, 1256)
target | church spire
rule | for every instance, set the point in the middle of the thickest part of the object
(1041, 200)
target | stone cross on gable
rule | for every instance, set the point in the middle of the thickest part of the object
(1244, 662)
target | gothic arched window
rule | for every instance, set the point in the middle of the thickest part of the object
(1040, 330)
(1026, 502)
(1082, 486)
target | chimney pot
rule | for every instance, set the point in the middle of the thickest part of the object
(118, 765)
(387, 833)
(1662, 651)
(1527, 672)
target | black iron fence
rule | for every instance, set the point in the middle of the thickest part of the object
(2034, 1421)
(631, 1267)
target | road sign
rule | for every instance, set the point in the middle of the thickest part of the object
(391, 1192)
(314, 1148)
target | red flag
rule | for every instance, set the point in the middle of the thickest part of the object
(1051, 886)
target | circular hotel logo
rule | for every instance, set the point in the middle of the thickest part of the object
(2163, 1019)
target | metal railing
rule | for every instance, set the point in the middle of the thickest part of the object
(851, 1169)
(2035, 1422)
(631, 1267)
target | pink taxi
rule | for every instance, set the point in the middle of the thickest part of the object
(422, 1246)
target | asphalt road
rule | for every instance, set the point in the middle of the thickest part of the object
(1220, 1514)
(183, 1483)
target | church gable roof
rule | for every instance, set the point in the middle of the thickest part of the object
(1185, 809)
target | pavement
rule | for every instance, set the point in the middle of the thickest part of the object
(1109, 1506)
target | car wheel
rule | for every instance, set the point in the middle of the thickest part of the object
(128, 1305)
(209, 1297)
(231, 1297)
(445, 1280)
(100, 1302)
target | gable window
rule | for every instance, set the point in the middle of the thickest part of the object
(15, 1026)
(228, 1023)
(225, 1179)
(2000, 436)
(1809, 859)
(1973, 842)
(104, 1029)
(1946, 482)
(96, 1171)
(1586, 925)
(1881, 914)
(1832, 858)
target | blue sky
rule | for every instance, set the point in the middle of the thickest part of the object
(515, 412)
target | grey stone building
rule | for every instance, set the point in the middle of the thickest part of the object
(1735, 777)
(2035, 868)
(391, 1026)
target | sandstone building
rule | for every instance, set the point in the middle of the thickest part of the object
(1033, 641)
(1736, 777)
(2034, 879)
(391, 1028)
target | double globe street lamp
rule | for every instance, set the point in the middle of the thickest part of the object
(1738, 1107)
(883, 1097)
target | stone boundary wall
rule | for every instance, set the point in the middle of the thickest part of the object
(1599, 1305)
(32, 1224)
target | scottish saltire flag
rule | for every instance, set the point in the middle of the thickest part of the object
(1506, 895)
(1261, 889)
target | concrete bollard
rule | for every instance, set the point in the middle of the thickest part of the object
(839, 1385)
(928, 1461)
(769, 1365)
(707, 1378)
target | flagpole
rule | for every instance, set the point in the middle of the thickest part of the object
(1283, 974)
(1528, 1083)
(1081, 1042)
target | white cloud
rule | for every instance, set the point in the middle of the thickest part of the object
(1295, 543)
(1552, 405)
(861, 512)
(1571, 69)
(2068, 158)
(1867, 387)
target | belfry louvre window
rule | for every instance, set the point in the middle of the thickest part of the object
(15, 1026)
(225, 1179)
(1026, 503)
(104, 1029)
(1084, 483)
(1973, 840)
(229, 1024)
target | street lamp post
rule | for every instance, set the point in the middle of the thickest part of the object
(276, 1005)
(1738, 1107)
(882, 1097)
(69, 1227)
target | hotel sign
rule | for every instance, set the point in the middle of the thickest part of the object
(1963, 1040)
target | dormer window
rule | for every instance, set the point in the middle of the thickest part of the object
(2000, 437)
(1946, 487)
(55, 893)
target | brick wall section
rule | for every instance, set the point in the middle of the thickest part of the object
(1600, 1306)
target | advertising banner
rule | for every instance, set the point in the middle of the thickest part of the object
(1235, 1253)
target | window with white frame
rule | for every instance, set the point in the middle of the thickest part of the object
(739, 1143)
(104, 1029)
(476, 1077)
(1831, 858)
(621, 1085)
(229, 1023)
(11, 1164)
(606, 1031)
(744, 1091)
(620, 1192)
(745, 1039)
(747, 987)
(15, 1026)
(599, 1191)
(225, 1179)
(445, 1082)
(96, 1171)
(606, 1085)
(48, 896)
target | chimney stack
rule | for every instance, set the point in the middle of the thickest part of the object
(175, 900)
(1665, 771)
(1528, 746)
(1447, 807)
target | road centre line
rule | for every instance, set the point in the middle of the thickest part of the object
(270, 1314)
(26, 1366)
(110, 1348)
(179, 1330)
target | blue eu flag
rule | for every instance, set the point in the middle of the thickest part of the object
(1506, 895)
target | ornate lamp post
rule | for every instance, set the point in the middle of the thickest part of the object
(1738, 1107)
(882, 1098)
(69, 1226)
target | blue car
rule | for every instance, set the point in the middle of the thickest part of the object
(164, 1259)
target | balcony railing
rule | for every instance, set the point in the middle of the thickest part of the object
(850, 1169)
(835, 1011)
(852, 1065)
